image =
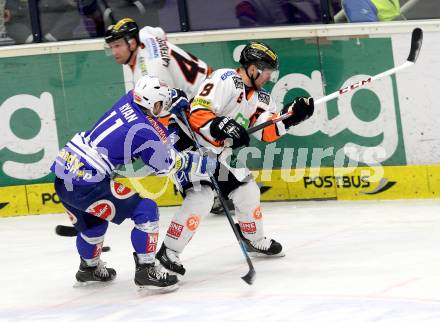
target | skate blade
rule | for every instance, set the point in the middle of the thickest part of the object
(150, 289)
(91, 284)
(261, 255)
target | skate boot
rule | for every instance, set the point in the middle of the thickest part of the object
(98, 273)
(170, 260)
(263, 247)
(151, 277)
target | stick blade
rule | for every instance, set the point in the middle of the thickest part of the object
(250, 276)
(416, 44)
(66, 231)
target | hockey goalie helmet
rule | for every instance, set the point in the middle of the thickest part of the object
(125, 28)
(148, 91)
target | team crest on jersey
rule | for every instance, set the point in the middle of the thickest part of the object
(104, 209)
(120, 191)
(264, 97)
(71, 216)
(193, 222)
(238, 82)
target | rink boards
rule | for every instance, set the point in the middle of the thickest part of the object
(51, 91)
(362, 183)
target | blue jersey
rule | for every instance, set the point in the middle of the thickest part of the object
(122, 134)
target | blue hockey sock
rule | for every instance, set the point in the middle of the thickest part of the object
(144, 240)
(89, 243)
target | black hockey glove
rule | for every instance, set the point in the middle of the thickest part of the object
(223, 128)
(302, 108)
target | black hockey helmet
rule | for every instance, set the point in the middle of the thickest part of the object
(125, 28)
(259, 54)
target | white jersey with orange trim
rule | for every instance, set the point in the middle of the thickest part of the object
(158, 57)
(224, 94)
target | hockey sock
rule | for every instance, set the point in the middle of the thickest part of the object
(185, 222)
(89, 243)
(89, 248)
(144, 240)
(247, 208)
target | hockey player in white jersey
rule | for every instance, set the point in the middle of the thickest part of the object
(228, 102)
(148, 52)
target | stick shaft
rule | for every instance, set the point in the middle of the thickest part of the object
(250, 276)
(416, 44)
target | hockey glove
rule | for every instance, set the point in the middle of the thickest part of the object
(302, 108)
(194, 168)
(224, 128)
(179, 101)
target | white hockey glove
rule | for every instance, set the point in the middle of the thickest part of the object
(179, 101)
(193, 168)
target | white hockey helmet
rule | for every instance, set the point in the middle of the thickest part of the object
(149, 90)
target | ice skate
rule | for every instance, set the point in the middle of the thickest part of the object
(263, 247)
(170, 260)
(98, 273)
(151, 277)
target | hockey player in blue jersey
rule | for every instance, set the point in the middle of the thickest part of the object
(84, 166)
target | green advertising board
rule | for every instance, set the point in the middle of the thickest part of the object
(45, 99)
(362, 128)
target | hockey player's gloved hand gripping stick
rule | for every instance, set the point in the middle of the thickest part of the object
(416, 45)
(250, 276)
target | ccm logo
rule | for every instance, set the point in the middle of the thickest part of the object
(354, 86)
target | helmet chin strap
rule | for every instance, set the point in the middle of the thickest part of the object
(131, 52)
(251, 77)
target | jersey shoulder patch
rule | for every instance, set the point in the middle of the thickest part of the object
(264, 97)
(238, 82)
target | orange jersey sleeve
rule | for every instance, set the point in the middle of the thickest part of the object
(269, 133)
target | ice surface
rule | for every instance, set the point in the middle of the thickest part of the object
(345, 261)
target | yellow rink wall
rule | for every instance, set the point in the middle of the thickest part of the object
(362, 183)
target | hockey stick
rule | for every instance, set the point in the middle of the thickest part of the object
(416, 45)
(250, 276)
(66, 231)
